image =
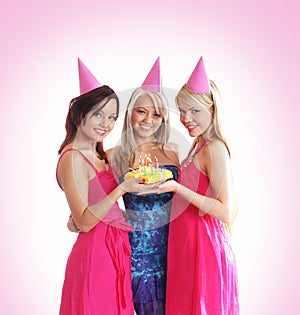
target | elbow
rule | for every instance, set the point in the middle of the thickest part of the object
(87, 222)
(83, 227)
(226, 215)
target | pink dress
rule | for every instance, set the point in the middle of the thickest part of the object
(201, 276)
(98, 272)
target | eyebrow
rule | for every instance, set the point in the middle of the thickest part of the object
(190, 108)
(145, 108)
(101, 111)
(112, 114)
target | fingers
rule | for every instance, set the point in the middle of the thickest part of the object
(146, 189)
(148, 192)
(74, 226)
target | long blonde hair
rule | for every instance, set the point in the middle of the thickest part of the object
(123, 156)
(210, 100)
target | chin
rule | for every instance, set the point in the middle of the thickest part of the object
(193, 133)
(100, 139)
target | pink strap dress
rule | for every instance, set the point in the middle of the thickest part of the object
(98, 272)
(201, 276)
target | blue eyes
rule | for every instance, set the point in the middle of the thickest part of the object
(193, 111)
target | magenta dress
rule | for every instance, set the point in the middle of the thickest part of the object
(98, 272)
(201, 276)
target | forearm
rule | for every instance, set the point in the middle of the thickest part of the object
(206, 204)
(101, 208)
(92, 214)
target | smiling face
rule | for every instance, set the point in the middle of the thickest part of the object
(195, 118)
(145, 119)
(100, 120)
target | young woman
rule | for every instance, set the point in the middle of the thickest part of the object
(146, 131)
(98, 272)
(201, 277)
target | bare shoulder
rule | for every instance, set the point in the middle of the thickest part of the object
(217, 148)
(70, 159)
(172, 146)
(171, 149)
(70, 163)
(216, 154)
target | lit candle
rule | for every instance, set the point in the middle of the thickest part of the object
(155, 162)
(149, 161)
(152, 170)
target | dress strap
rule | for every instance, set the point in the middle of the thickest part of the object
(85, 158)
(191, 155)
(200, 146)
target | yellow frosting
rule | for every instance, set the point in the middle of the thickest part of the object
(150, 176)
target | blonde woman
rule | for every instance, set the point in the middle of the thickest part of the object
(146, 131)
(201, 277)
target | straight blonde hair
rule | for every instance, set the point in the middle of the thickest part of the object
(123, 156)
(210, 100)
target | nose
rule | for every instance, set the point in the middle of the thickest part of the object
(104, 121)
(187, 117)
(148, 118)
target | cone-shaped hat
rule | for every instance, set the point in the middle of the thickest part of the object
(198, 82)
(152, 82)
(87, 81)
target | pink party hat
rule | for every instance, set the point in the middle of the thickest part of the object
(87, 81)
(198, 82)
(152, 82)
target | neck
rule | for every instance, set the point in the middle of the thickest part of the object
(147, 146)
(81, 143)
(144, 142)
(200, 139)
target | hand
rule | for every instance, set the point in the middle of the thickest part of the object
(72, 225)
(136, 185)
(167, 186)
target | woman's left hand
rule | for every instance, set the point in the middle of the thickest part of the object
(72, 225)
(167, 186)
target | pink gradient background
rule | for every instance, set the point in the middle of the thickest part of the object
(251, 50)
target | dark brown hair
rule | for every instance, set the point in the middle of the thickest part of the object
(80, 106)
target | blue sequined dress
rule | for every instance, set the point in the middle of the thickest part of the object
(149, 215)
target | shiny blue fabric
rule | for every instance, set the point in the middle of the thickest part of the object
(149, 215)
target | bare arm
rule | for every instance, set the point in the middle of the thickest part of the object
(74, 175)
(217, 165)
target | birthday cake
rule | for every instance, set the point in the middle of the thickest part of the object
(150, 172)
